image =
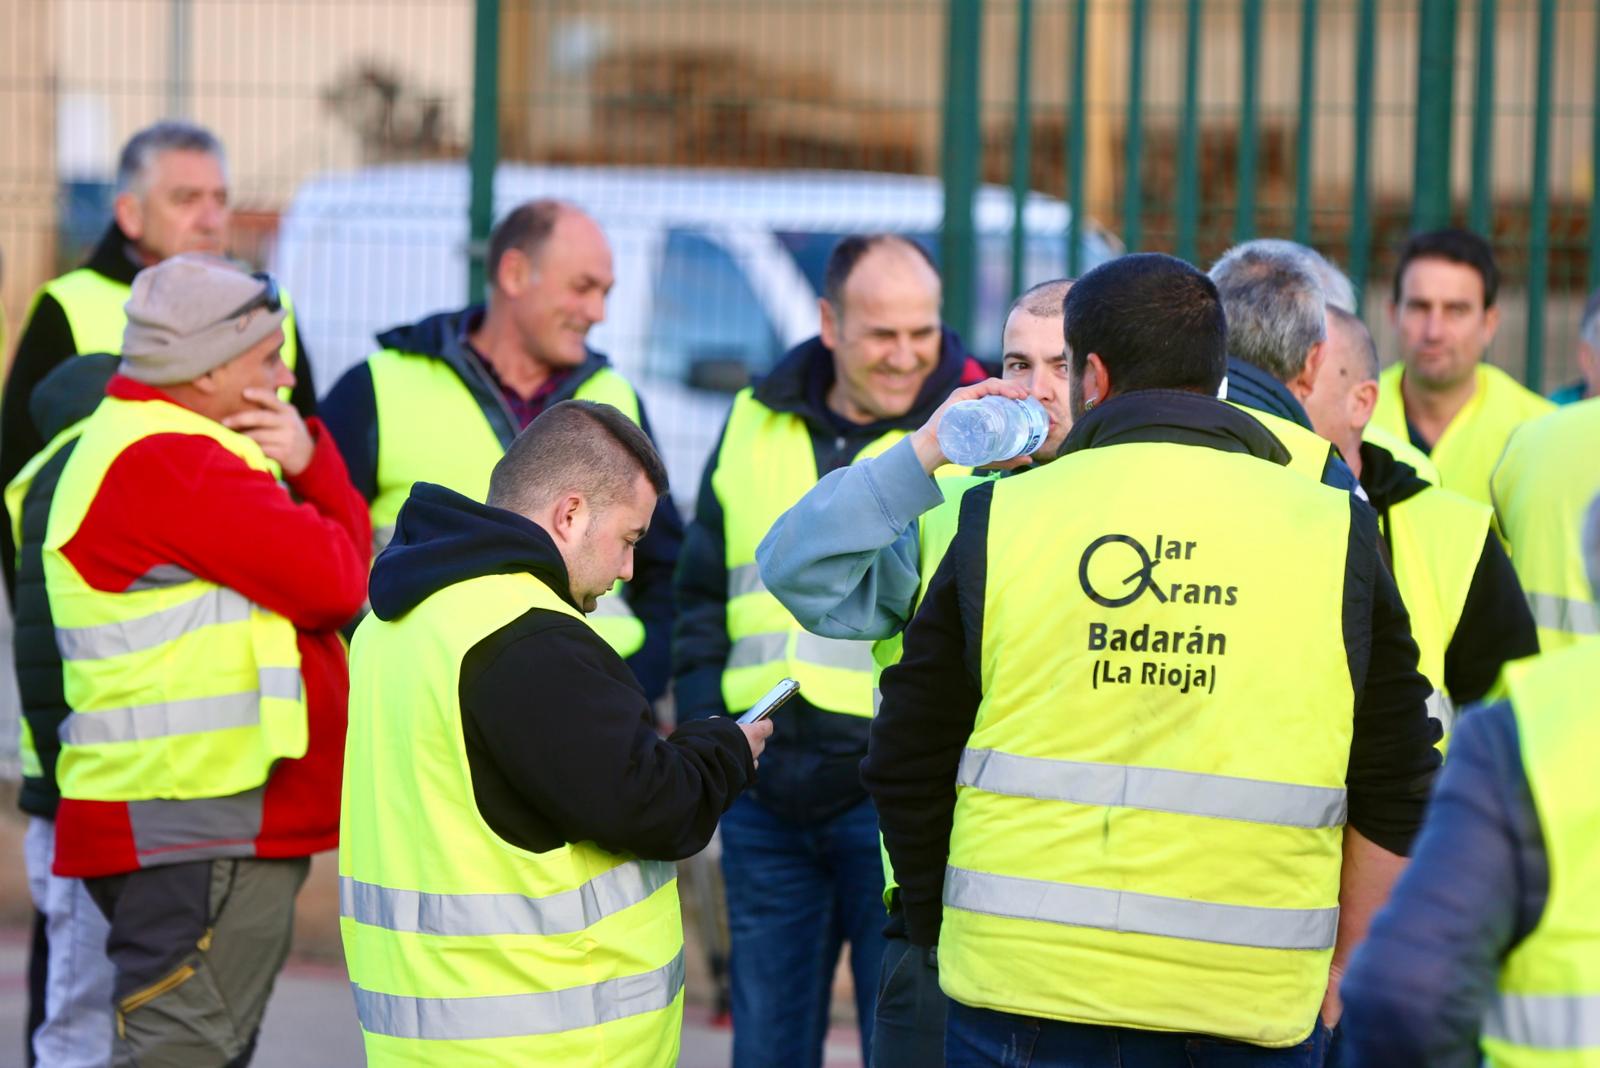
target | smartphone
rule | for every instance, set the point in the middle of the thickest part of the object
(770, 701)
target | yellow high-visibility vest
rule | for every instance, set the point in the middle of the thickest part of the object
(432, 429)
(1466, 452)
(1547, 1013)
(179, 688)
(1542, 489)
(1308, 451)
(464, 949)
(1152, 800)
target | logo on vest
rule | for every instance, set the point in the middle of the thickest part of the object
(1118, 570)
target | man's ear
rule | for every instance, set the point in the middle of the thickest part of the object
(1301, 384)
(129, 214)
(829, 331)
(515, 272)
(1362, 402)
(1096, 379)
(568, 516)
(207, 383)
(1491, 320)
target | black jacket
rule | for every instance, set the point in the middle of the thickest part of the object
(930, 699)
(350, 412)
(47, 340)
(559, 739)
(809, 771)
(1496, 625)
(69, 393)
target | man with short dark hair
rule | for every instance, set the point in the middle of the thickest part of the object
(800, 854)
(446, 396)
(196, 607)
(1121, 856)
(172, 197)
(510, 812)
(1442, 396)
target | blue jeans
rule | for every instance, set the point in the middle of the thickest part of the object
(979, 1038)
(796, 894)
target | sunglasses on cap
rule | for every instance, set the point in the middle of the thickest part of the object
(269, 297)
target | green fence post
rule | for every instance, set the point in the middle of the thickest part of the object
(1361, 165)
(1244, 212)
(1594, 179)
(1077, 138)
(1306, 124)
(1539, 210)
(1188, 206)
(1436, 58)
(1480, 214)
(485, 141)
(1021, 141)
(962, 150)
(1133, 188)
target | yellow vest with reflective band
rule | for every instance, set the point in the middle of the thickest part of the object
(1542, 490)
(94, 303)
(766, 464)
(1436, 538)
(1150, 809)
(936, 529)
(1467, 451)
(1308, 452)
(1547, 1014)
(462, 948)
(180, 688)
(437, 432)
(16, 495)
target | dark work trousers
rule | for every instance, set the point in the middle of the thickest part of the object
(196, 947)
(908, 1028)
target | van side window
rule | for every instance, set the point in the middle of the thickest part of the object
(708, 329)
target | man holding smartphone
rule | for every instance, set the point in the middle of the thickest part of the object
(510, 813)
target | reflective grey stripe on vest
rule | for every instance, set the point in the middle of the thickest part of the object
(212, 608)
(503, 914)
(192, 716)
(1121, 910)
(1545, 1021)
(213, 826)
(547, 1012)
(1441, 708)
(746, 578)
(1159, 789)
(843, 653)
(1562, 613)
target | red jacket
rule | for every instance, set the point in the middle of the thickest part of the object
(186, 500)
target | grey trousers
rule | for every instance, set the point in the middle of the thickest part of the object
(196, 948)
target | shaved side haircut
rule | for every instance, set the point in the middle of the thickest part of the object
(1358, 332)
(575, 447)
(1044, 301)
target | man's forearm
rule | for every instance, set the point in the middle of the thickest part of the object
(1366, 879)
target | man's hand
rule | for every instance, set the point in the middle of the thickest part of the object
(756, 735)
(1332, 1007)
(277, 428)
(925, 439)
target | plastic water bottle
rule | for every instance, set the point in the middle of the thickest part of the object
(990, 429)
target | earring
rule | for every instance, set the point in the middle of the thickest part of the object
(1090, 403)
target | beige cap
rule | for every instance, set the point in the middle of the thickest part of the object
(191, 314)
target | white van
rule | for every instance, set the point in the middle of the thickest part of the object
(717, 272)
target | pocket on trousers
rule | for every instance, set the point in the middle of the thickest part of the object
(178, 1017)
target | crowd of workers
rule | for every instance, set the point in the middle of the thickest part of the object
(1183, 841)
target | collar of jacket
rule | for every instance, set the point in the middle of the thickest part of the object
(1174, 417)
(792, 386)
(116, 256)
(442, 537)
(441, 337)
(1387, 480)
(1254, 388)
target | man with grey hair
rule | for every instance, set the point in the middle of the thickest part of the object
(171, 197)
(1588, 384)
(1276, 309)
(1468, 615)
(1487, 947)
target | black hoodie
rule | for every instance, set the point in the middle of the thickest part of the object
(350, 412)
(1496, 625)
(809, 773)
(558, 731)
